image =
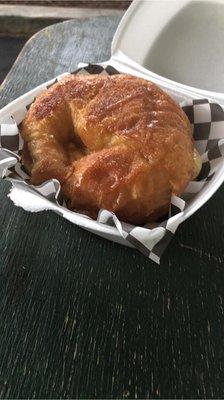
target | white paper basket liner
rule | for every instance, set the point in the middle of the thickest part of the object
(207, 119)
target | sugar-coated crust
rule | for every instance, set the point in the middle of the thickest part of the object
(116, 142)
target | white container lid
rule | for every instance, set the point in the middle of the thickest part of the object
(178, 42)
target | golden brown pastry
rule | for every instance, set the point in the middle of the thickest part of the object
(116, 142)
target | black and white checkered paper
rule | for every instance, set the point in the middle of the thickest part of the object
(207, 119)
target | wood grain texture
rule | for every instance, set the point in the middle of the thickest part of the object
(82, 317)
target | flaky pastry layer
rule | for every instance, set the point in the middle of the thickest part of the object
(116, 142)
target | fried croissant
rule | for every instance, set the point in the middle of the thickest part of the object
(115, 142)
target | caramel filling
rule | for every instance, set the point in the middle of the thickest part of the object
(197, 163)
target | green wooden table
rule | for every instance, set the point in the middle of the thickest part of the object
(82, 317)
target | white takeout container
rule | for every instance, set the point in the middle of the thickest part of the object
(140, 29)
(182, 38)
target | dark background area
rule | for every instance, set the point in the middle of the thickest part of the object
(120, 4)
(9, 49)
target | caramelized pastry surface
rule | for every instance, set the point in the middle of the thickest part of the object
(116, 142)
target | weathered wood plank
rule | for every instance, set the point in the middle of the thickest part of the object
(82, 317)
